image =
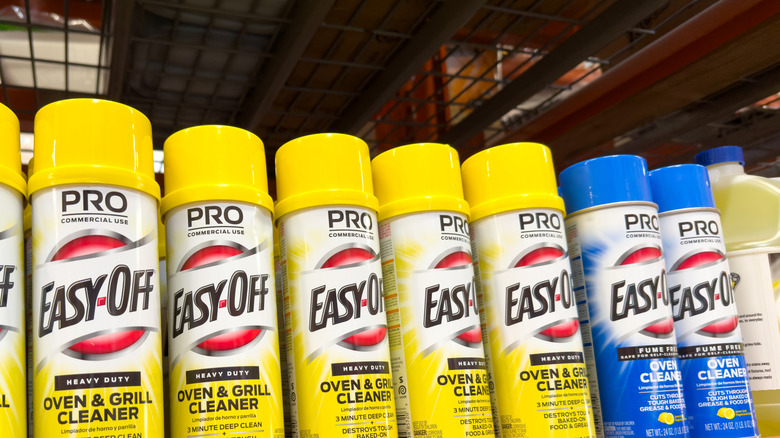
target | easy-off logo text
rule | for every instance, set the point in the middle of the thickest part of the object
(332, 306)
(702, 297)
(630, 299)
(242, 294)
(5, 283)
(450, 304)
(123, 291)
(525, 302)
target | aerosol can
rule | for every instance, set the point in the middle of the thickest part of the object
(533, 331)
(626, 315)
(439, 367)
(717, 390)
(96, 304)
(13, 371)
(223, 332)
(326, 213)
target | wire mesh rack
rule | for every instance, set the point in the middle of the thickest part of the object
(188, 64)
(390, 71)
(490, 53)
(52, 51)
(348, 50)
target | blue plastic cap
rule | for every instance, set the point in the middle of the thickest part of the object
(679, 187)
(723, 154)
(605, 180)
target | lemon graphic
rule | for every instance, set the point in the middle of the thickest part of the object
(726, 413)
(666, 418)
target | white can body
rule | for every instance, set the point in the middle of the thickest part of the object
(284, 364)
(96, 310)
(533, 336)
(28, 325)
(13, 394)
(717, 390)
(435, 331)
(626, 317)
(338, 347)
(223, 333)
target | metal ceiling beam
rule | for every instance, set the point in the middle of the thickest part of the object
(121, 26)
(736, 57)
(717, 108)
(701, 34)
(747, 130)
(448, 18)
(759, 139)
(306, 19)
(597, 33)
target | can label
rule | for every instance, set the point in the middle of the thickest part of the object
(717, 391)
(224, 350)
(340, 355)
(284, 366)
(484, 327)
(756, 283)
(164, 335)
(629, 315)
(534, 340)
(28, 324)
(13, 391)
(96, 313)
(435, 333)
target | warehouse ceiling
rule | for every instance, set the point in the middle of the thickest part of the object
(661, 78)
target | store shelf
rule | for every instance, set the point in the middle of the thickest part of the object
(660, 78)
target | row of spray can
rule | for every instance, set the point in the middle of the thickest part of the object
(406, 323)
(344, 250)
(100, 320)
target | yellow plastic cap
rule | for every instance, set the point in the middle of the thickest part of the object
(10, 156)
(323, 169)
(215, 163)
(92, 141)
(510, 177)
(418, 177)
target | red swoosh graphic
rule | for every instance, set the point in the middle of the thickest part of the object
(721, 327)
(724, 326)
(642, 255)
(111, 342)
(564, 329)
(461, 258)
(210, 254)
(539, 255)
(234, 339)
(666, 326)
(349, 256)
(698, 259)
